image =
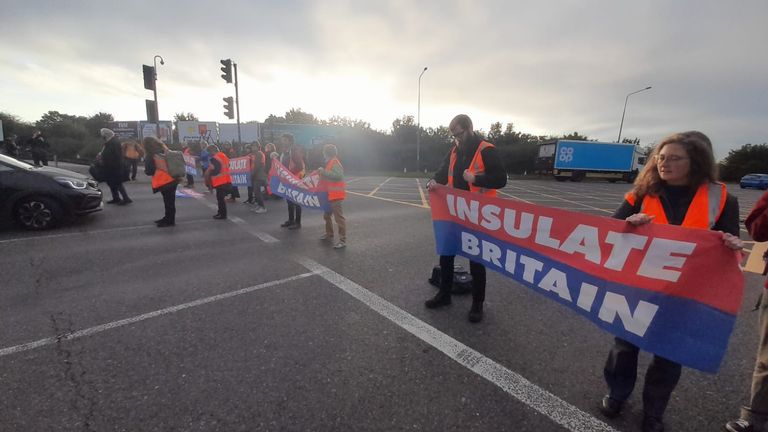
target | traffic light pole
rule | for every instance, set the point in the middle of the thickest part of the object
(237, 106)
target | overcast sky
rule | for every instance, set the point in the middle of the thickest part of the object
(548, 67)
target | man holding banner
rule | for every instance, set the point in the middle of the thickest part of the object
(217, 177)
(473, 165)
(678, 187)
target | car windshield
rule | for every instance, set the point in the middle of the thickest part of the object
(14, 162)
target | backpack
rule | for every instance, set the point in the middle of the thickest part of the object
(462, 280)
(176, 166)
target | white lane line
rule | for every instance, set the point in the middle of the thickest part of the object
(421, 194)
(379, 186)
(560, 411)
(568, 201)
(114, 324)
(85, 233)
(514, 197)
(387, 199)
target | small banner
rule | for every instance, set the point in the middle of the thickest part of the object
(240, 171)
(669, 290)
(189, 165)
(307, 192)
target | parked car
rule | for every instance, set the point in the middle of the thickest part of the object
(759, 181)
(39, 198)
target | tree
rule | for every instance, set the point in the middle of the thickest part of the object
(182, 116)
(297, 116)
(748, 159)
(96, 122)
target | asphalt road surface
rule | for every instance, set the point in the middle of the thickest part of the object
(111, 324)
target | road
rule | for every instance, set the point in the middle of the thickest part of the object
(111, 324)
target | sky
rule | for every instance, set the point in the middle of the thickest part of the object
(548, 68)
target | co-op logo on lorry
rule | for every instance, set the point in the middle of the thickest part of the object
(566, 154)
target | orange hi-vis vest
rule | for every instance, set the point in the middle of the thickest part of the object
(223, 176)
(335, 188)
(161, 176)
(705, 209)
(477, 166)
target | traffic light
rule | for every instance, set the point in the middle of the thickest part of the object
(149, 77)
(229, 108)
(227, 69)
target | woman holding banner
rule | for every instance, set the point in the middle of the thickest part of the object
(293, 159)
(678, 187)
(156, 166)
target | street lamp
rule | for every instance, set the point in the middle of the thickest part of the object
(418, 123)
(157, 111)
(618, 140)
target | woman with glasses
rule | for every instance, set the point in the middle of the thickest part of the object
(678, 187)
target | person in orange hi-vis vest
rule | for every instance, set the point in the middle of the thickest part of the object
(472, 164)
(156, 166)
(333, 177)
(678, 187)
(217, 175)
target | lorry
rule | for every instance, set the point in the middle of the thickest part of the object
(577, 160)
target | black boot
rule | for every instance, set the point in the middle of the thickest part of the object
(442, 298)
(476, 312)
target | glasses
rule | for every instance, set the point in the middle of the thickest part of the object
(670, 159)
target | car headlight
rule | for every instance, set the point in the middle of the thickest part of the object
(72, 183)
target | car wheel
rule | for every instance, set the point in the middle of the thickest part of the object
(37, 213)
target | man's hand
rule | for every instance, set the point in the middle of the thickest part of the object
(469, 177)
(640, 219)
(732, 242)
(431, 183)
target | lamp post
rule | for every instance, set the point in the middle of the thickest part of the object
(418, 123)
(157, 111)
(618, 140)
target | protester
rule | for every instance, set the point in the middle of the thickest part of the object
(230, 152)
(38, 148)
(258, 178)
(474, 165)
(333, 177)
(293, 159)
(217, 177)
(113, 168)
(754, 417)
(11, 148)
(205, 160)
(678, 188)
(271, 154)
(132, 152)
(155, 165)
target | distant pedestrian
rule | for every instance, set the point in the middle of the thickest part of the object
(113, 167)
(188, 152)
(230, 151)
(205, 161)
(38, 148)
(678, 187)
(333, 177)
(270, 152)
(293, 159)
(217, 176)
(11, 148)
(473, 164)
(132, 152)
(754, 416)
(156, 166)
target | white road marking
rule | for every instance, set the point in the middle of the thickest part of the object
(114, 324)
(379, 186)
(560, 411)
(266, 238)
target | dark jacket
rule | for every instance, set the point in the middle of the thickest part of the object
(38, 145)
(757, 221)
(112, 161)
(675, 201)
(494, 177)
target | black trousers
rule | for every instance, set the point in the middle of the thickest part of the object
(294, 212)
(477, 271)
(190, 180)
(254, 194)
(39, 157)
(131, 165)
(169, 201)
(117, 189)
(660, 379)
(221, 194)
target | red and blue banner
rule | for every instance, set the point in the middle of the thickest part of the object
(669, 290)
(240, 171)
(308, 192)
(190, 166)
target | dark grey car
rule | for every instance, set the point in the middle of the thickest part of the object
(39, 198)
